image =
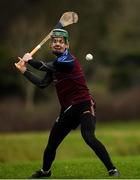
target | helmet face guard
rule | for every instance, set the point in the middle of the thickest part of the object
(60, 33)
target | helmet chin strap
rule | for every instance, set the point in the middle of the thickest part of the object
(58, 53)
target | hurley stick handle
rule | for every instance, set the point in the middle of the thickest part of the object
(40, 44)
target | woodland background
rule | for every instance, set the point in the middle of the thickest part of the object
(109, 29)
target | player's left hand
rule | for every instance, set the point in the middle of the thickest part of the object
(27, 57)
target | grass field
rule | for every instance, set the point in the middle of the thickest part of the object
(21, 154)
(74, 169)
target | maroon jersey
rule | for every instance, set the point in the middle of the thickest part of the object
(71, 86)
(67, 76)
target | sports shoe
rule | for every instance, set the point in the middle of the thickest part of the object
(113, 172)
(40, 174)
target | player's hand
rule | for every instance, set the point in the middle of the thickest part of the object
(21, 65)
(27, 57)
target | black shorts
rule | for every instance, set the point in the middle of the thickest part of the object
(70, 117)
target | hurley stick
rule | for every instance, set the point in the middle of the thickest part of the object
(66, 19)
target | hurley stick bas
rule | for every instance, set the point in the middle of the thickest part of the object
(66, 19)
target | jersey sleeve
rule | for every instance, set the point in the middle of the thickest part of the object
(41, 83)
(40, 65)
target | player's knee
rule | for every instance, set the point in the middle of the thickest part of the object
(88, 122)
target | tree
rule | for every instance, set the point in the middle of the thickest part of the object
(23, 36)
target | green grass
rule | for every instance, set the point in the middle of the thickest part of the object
(74, 169)
(21, 154)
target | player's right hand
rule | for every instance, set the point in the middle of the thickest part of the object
(21, 66)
